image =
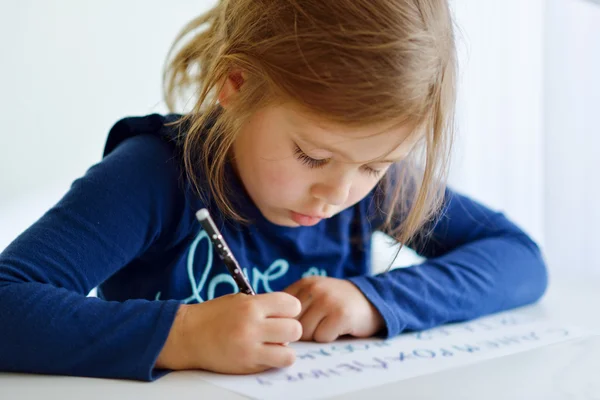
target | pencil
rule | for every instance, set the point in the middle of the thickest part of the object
(203, 216)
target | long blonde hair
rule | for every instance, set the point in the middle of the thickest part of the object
(355, 62)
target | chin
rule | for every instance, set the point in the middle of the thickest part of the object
(280, 220)
(283, 222)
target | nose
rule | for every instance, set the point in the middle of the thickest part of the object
(332, 193)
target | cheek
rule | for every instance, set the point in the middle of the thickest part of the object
(273, 176)
(282, 178)
(359, 190)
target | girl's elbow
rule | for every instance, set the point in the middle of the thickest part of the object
(534, 274)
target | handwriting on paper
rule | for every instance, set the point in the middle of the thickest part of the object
(353, 364)
(363, 364)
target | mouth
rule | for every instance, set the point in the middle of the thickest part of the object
(305, 220)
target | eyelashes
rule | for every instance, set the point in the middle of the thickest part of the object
(313, 163)
(309, 161)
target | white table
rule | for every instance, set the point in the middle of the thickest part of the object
(566, 370)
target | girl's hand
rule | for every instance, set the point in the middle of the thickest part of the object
(334, 307)
(234, 334)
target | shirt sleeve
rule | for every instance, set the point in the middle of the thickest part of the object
(477, 262)
(119, 209)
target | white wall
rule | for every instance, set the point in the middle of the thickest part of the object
(498, 155)
(572, 129)
(71, 68)
(499, 150)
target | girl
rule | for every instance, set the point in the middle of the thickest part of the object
(315, 124)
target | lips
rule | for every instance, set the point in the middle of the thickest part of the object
(305, 220)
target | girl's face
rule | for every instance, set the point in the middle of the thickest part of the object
(298, 170)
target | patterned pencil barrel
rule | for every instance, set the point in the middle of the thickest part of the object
(224, 252)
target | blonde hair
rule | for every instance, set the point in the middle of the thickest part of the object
(355, 62)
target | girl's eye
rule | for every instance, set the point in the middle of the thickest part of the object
(372, 172)
(305, 159)
(313, 163)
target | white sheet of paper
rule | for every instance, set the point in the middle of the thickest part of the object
(324, 370)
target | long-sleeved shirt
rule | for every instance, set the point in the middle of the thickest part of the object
(128, 227)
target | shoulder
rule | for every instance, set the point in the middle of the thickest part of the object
(163, 127)
(144, 148)
(153, 143)
(142, 160)
(139, 160)
(148, 150)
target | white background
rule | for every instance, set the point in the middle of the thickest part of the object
(528, 100)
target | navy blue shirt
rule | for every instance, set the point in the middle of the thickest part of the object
(128, 227)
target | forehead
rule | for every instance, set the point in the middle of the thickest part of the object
(384, 142)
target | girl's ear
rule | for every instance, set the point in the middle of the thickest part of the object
(231, 87)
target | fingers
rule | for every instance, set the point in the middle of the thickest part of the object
(329, 329)
(295, 287)
(277, 356)
(279, 304)
(302, 290)
(306, 299)
(281, 330)
(310, 320)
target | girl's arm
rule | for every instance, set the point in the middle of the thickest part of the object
(478, 263)
(113, 214)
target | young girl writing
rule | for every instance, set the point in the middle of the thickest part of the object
(315, 124)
